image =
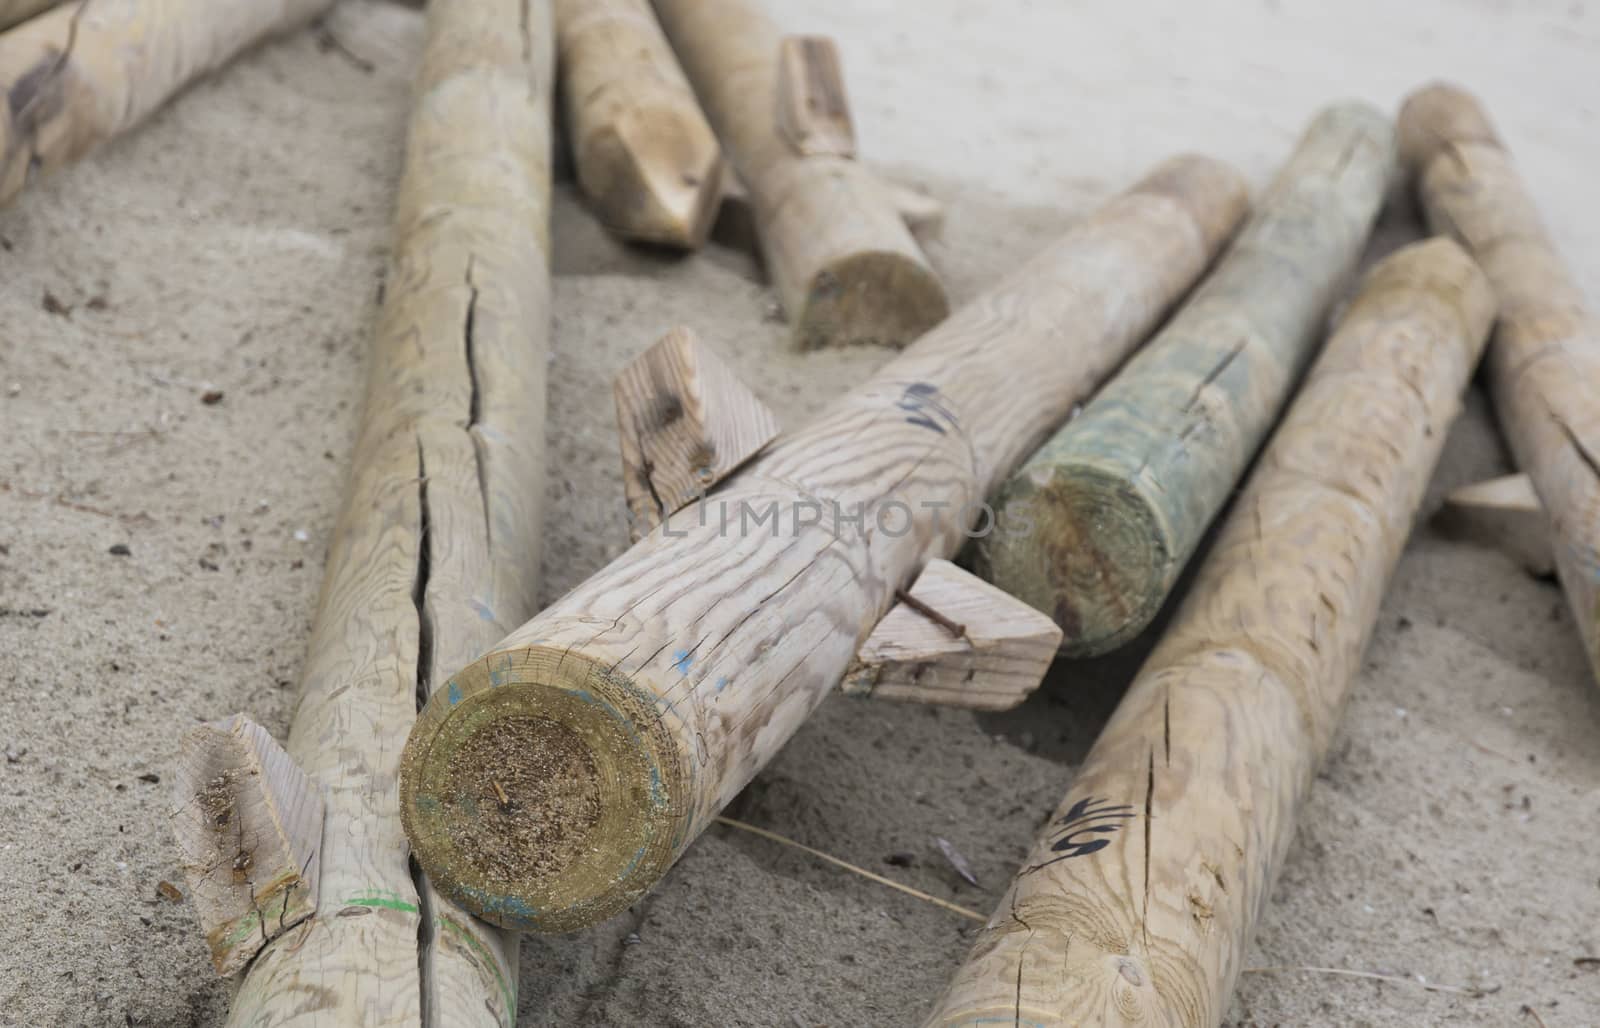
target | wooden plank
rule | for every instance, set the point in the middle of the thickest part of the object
(999, 655)
(1138, 901)
(435, 552)
(83, 72)
(1544, 362)
(14, 12)
(572, 765)
(686, 422)
(1504, 514)
(813, 108)
(646, 158)
(846, 269)
(248, 823)
(1112, 508)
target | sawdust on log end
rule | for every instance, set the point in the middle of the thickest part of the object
(527, 786)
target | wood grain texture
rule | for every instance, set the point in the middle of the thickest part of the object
(248, 824)
(685, 422)
(999, 656)
(91, 69)
(1138, 901)
(1114, 505)
(846, 269)
(634, 708)
(1503, 513)
(1544, 362)
(813, 109)
(13, 12)
(645, 155)
(435, 551)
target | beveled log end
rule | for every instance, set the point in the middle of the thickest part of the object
(540, 791)
(872, 298)
(654, 176)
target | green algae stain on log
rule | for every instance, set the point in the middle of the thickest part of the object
(1112, 508)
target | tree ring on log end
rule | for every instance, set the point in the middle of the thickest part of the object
(1095, 558)
(541, 792)
(871, 297)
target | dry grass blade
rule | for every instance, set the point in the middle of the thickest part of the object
(863, 872)
(1397, 979)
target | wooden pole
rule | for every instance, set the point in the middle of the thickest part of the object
(845, 266)
(1544, 363)
(1105, 516)
(435, 553)
(86, 71)
(1138, 901)
(567, 770)
(645, 156)
(14, 12)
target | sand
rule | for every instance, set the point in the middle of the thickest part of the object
(231, 251)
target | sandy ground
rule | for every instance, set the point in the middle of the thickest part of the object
(234, 244)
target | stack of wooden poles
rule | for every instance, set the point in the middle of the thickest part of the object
(463, 766)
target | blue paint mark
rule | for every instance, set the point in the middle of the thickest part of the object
(484, 610)
(509, 910)
(681, 661)
(455, 693)
(722, 682)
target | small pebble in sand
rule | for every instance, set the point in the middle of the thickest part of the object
(301, 535)
(212, 397)
(119, 550)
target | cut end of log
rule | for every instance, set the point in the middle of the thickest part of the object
(249, 825)
(654, 178)
(957, 641)
(686, 422)
(872, 298)
(542, 795)
(1437, 116)
(1094, 560)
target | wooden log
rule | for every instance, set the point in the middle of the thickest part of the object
(735, 223)
(1505, 514)
(1096, 527)
(646, 158)
(1544, 362)
(568, 769)
(435, 552)
(955, 639)
(14, 12)
(686, 422)
(84, 72)
(249, 826)
(846, 269)
(1139, 899)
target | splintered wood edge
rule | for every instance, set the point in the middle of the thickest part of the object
(813, 112)
(680, 385)
(1503, 513)
(981, 649)
(244, 809)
